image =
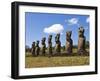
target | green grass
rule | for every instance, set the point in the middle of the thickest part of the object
(45, 61)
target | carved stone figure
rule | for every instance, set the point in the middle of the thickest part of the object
(58, 44)
(33, 49)
(37, 49)
(69, 42)
(50, 45)
(81, 41)
(43, 48)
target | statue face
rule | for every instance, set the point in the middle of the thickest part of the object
(58, 35)
(37, 42)
(44, 39)
(81, 31)
(33, 44)
(68, 34)
(50, 36)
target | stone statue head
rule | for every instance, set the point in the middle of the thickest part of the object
(68, 34)
(43, 40)
(50, 38)
(33, 44)
(81, 32)
(57, 37)
(37, 43)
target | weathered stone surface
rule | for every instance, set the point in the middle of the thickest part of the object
(69, 42)
(37, 49)
(81, 41)
(33, 48)
(43, 48)
(58, 44)
(50, 45)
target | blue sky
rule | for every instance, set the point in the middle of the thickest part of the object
(40, 25)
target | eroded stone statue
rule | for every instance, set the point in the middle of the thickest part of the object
(81, 41)
(69, 42)
(50, 45)
(33, 49)
(58, 44)
(37, 49)
(43, 48)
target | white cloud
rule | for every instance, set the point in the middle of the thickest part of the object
(86, 28)
(55, 28)
(66, 20)
(88, 20)
(73, 21)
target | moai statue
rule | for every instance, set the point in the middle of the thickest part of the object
(50, 45)
(33, 49)
(58, 44)
(81, 41)
(37, 49)
(69, 42)
(43, 48)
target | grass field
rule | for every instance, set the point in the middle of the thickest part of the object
(45, 61)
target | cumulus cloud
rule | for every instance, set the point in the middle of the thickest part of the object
(87, 20)
(55, 28)
(72, 21)
(87, 28)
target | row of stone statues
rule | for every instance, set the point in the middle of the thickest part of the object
(69, 44)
